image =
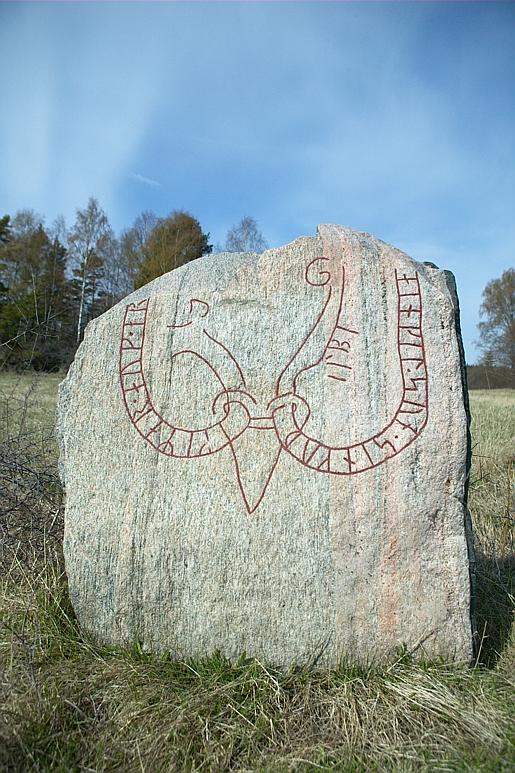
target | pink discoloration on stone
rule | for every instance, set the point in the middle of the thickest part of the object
(257, 451)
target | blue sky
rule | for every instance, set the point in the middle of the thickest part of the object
(393, 118)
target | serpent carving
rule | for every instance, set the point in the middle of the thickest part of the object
(235, 410)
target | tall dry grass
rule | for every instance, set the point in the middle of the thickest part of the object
(491, 505)
(31, 517)
(67, 704)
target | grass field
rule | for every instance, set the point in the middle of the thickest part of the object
(69, 705)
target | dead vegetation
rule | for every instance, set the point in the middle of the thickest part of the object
(31, 516)
(67, 704)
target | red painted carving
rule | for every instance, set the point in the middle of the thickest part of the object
(308, 349)
(157, 431)
(409, 419)
(228, 353)
(236, 411)
(197, 309)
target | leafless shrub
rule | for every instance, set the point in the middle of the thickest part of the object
(31, 517)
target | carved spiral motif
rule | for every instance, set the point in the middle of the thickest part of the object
(315, 276)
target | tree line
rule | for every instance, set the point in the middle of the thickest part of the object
(54, 280)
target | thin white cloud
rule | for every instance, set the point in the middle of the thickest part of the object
(380, 120)
(75, 128)
(140, 178)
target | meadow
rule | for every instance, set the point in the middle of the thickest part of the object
(68, 704)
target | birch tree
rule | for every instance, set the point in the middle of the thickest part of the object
(90, 244)
(245, 237)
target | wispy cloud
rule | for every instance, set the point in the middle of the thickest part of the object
(75, 129)
(390, 120)
(140, 178)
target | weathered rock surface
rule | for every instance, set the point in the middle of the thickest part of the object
(268, 453)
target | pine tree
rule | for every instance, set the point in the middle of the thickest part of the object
(33, 295)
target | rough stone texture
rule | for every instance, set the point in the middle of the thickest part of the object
(268, 453)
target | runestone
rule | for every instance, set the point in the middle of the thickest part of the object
(269, 454)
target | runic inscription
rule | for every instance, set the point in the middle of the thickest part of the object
(235, 409)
